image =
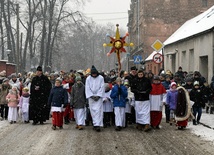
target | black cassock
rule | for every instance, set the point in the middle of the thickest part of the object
(40, 89)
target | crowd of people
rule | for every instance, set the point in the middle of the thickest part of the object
(105, 99)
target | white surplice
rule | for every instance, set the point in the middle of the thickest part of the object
(142, 112)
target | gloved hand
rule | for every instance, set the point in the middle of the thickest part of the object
(87, 105)
(64, 106)
(96, 98)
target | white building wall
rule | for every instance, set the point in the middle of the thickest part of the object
(197, 51)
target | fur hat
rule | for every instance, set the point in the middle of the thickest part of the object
(39, 68)
(93, 70)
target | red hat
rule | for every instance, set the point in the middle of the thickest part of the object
(173, 84)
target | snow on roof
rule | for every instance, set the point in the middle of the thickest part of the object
(150, 57)
(196, 25)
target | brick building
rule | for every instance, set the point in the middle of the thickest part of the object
(150, 20)
(8, 67)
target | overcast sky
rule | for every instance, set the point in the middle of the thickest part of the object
(105, 11)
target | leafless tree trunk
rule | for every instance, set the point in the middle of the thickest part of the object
(1, 29)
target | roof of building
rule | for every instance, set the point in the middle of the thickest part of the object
(150, 57)
(196, 25)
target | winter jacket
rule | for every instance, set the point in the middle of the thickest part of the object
(119, 95)
(78, 98)
(13, 99)
(3, 93)
(188, 87)
(166, 84)
(196, 95)
(58, 96)
(141, 88)
(171, 99)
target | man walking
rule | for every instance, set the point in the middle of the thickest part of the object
(95, 90)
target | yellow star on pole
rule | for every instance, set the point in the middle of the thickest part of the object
(118, 44)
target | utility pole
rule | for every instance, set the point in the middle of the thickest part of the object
(17, 39)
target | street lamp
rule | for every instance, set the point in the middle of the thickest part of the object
(8, 54)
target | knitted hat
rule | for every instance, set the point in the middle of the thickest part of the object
(173, 84)
(5, 79)
(118, 79)
(39, 68)
(93, 70)
(13, 75)
(196, 83)
(25, 89)
(58, 79)
(156, 77)
(126, 82)
(134, 68)
(78, 78)
(188, 79)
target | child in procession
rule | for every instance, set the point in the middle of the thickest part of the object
(196, 95)
(129, 103)
(119, 94)
(13, 99)
(171, 100)
(107, 106)
(157, 98)
(24, 105)
(58, 99)
(78, 102)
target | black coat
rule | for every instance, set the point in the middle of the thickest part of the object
(141, 88)
(40, 90)
(196, 95)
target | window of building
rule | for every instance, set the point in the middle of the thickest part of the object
(204, 3)
(183, 59)
(191, 60)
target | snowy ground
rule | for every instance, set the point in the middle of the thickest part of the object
(206, 129)
(27, 139)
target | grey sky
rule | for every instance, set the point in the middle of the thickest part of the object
(105, 11)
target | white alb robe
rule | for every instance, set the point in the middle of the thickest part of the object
(95, 87)
(142, 112)
(79, 115)
(119, 116)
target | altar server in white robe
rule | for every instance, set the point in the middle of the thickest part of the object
(95, 91)
(78, 102)
(107, 107)
(141, 87)
(119, 95)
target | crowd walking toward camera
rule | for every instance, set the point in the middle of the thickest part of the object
(105, 99)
